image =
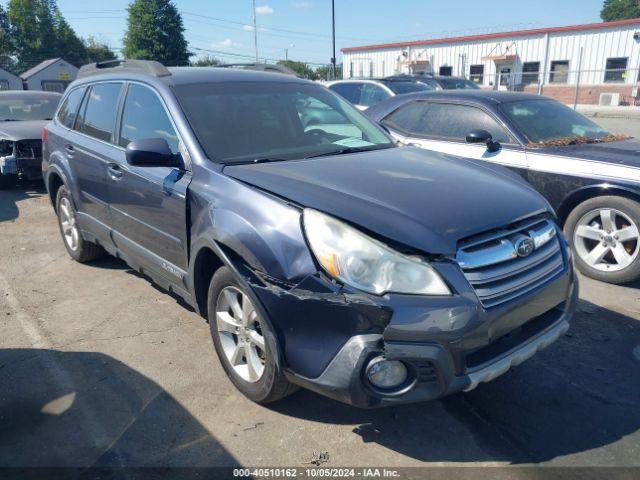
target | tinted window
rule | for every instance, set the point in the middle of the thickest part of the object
(144, 116)
(546, 120)
(371, 94)
(349, 91)
(245, 121)
(445, 120)
(100, 107)
(68, 111)
(446, 71)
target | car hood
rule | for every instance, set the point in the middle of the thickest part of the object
(27, 130)
(625, 152)
(425, 200)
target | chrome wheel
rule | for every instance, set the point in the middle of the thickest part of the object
(68, 224)
(606, 240)
(240, 334)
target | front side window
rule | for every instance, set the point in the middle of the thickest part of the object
(616, 69)
(144, 116)
(559, 71)
(447, 121)
(99, 111)
(548, 120)
(248, 121)
(23, 106)
(371, 94)
(455, 83)
(69, 109)
(350, 91)
(400, 87)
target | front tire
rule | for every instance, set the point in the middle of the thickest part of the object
(78, 248)
(246, 346)
(605, 238)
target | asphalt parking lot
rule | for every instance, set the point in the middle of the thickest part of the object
(98, 367)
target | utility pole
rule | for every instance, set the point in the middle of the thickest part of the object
(255, 30)
(333, 35)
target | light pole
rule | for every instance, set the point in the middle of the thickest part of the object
(333, 36)
(286, 51)
(255, 30)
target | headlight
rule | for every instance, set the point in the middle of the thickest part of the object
(364, 263)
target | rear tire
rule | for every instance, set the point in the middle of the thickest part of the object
(78, 248)
(8, 181)
(605, 238)
(246, 346)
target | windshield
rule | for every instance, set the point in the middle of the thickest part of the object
(544, 121)
(453, 83)
(25, 108)
(407, 87)
(261, 121)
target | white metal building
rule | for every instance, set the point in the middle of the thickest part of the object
(605, 54)
(53, 75)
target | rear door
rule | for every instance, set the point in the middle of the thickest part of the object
(89, 150)
(148, 204)
(443, 127)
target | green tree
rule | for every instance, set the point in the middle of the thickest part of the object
(207, 61)
(68, 44)
(97, 52)
(300, 68)
(7, 48)
(620, 10)
(155, 32)
(33, 28)
(324, 72)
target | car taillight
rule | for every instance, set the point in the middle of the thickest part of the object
(44, 134)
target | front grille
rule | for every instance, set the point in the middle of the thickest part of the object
(498, 274)
(28, 149)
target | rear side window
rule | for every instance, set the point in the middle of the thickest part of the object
(349, 91)
(100, 107)
(69, 109)
(371, 94)
(144, 116)
(442, 120)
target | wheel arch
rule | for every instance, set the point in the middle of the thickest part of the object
(580, 195)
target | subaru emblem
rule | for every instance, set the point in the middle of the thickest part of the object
(524, 246)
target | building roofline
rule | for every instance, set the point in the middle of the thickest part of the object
(490, 36)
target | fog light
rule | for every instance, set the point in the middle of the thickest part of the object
(386, 374)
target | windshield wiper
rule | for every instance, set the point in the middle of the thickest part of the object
(9, 120)
(256, 160)
(350, 150)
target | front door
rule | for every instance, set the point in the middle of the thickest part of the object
(505, 76)
(149, 204)
(443, 127)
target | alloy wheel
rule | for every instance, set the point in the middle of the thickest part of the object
(606, 239)
(68, 223)
(240, 334)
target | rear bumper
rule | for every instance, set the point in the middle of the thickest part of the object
(28, 168)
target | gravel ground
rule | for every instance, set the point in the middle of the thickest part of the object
(98, 367)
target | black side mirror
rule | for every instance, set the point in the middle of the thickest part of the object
(151, 152)
(482, 136)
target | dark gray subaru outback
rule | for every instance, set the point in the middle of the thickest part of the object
(322, 254)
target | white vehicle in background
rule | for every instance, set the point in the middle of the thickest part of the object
(363, 93)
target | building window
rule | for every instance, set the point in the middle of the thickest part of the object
(476, 73)
(530, 72)
(4, 84)
(58, 86)
(446, 71)
(616, 69)
(559, 71)
(361, 70)
(350, 69)
(370, 69)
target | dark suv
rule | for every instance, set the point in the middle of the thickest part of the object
(321, 253)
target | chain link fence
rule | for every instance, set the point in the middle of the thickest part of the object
(608, 88)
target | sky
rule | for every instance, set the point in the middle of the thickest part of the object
(303, 27)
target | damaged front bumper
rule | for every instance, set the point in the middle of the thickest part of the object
(448, 344)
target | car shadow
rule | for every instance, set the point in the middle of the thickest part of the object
(581, 393)
(9, 199)
(69, 409)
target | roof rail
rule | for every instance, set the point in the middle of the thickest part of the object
(137, 66)
(263, 67)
